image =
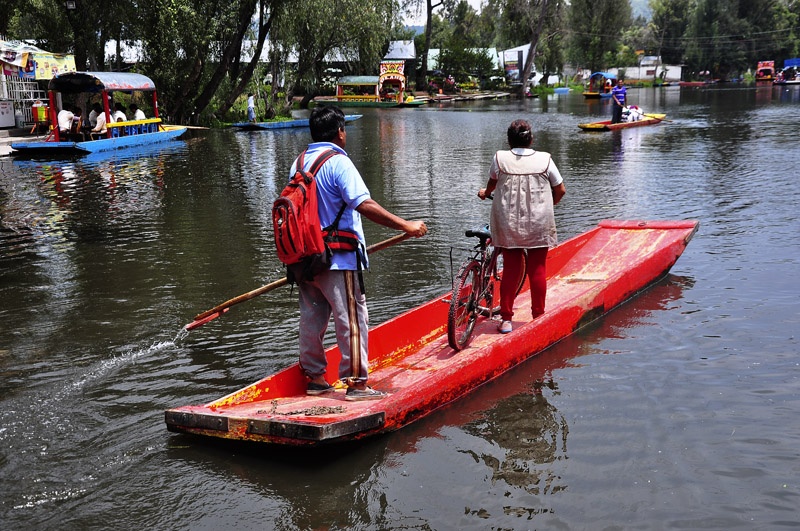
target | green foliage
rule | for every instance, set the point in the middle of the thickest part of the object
(728, 37)
(313, 29)
(186, 49)
(462, 64)
(595, 31)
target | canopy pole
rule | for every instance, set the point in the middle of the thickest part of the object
(51, 95)
(106, 109)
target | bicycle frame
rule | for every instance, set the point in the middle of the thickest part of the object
(473, 289)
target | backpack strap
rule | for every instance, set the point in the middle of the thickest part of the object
(321, 159)
(300, 162)
(333, 227)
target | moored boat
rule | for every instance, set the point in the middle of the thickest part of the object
(790, 74)
(410, 358)
(765, 71)
(388, 89)
(81, 86)
(600, 85)
(606, 125)
(284, 124)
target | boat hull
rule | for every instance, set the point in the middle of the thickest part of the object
(37, 149)
(286, 124)
(410, 357)
(606, 125)
(378, 104)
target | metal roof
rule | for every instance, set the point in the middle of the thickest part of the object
(75, 82)
(358, 80)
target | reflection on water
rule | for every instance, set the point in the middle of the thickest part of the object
(675, 406)
(528, 435)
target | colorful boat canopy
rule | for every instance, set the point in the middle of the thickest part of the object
(358, 80)
(606, 75)
(76, 82)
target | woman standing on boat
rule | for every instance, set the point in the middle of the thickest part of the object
(528, 185)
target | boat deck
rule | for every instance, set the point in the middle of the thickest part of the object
(606, 125)
(412, 361)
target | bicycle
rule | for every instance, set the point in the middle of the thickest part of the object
(475, 289)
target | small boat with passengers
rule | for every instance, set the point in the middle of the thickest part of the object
(411, 359)
(790, 74)
(600, 85)
(84, 88)
(606, 125)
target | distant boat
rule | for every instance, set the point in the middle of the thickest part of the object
(283, 124)
(790, 75)
(121, 134)
(385, 90)
(765, 71)
(600, 84)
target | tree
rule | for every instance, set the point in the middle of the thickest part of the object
(430, 5)
(715, 38)
(669, 21)
(82, 31)
(317, 29)
(595, 29)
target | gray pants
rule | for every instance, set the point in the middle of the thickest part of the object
(334, 293)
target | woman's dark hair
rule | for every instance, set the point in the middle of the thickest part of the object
(519, 134)
(325, 123)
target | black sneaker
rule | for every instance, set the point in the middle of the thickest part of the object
(314, 388)
(369, 393)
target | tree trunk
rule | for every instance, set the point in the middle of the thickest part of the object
(246, 10)
(535, 33)
(247, 74)
(422, 75)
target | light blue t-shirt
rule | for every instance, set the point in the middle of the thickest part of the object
(338, 183)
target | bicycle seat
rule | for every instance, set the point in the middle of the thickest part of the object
(482, 234)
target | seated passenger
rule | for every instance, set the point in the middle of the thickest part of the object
(99, 129)
(138, 114)
(119, 113)
(96, 109)
(75, 132)
(65, 117)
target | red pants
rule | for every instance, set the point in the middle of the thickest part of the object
(537, 276)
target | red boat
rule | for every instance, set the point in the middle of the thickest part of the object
(606, 125)
(588, 276)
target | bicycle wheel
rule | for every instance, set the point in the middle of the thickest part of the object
(464, 305)
(497, 274)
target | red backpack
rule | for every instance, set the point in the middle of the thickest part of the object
(299, 239)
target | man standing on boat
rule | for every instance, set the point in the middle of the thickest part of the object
(618, 94)
(251, 107)
(341, 191)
